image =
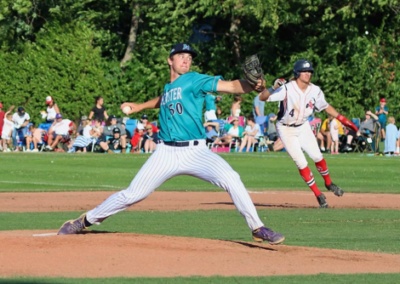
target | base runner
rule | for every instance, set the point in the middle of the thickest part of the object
(299, 98)
(184, 150)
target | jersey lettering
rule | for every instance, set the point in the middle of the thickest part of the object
(172, 95)
(311, 104)
(291, 113)
(179, 108)
(171, 109)
(175, 108)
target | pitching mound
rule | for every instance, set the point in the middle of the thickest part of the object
(41, 253)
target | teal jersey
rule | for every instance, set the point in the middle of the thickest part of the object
(181, 107)
(210, 102)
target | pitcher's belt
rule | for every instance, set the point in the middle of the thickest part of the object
(292, 125)
(182, 144)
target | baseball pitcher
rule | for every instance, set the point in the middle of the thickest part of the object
(183, 150)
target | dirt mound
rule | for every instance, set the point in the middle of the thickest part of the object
(100, 254)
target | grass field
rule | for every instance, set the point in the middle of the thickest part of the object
(350, 229)
(354, 229)
(259, 171)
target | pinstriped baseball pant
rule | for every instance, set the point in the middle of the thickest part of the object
(170, 161)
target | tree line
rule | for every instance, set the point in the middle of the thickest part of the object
(76, 50)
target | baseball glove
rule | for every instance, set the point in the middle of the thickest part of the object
(253, 72)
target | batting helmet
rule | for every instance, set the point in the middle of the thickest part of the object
(302, 65)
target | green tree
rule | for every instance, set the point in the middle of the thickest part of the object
(352, 44)
(61, 63)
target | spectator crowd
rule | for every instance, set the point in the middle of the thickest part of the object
(100, 132)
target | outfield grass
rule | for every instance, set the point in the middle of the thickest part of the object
(259, 171)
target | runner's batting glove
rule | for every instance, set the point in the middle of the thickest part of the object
(278, 83)
(346, 122)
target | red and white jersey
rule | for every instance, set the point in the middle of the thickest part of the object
(295, 105)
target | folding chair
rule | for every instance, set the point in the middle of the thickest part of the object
(130, 126)
(369, 145)
(372, 139)
(376, 138)
(262, 145)
(45, 127)
(234, 144)
(356, 121)
(242, 121)
(93, 144)
(259, 145)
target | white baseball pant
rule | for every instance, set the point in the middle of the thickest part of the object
(169, 161)
(297, 139)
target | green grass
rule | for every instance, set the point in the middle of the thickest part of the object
(349, 229)
(259, 171)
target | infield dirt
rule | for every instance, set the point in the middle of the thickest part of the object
(99, 254)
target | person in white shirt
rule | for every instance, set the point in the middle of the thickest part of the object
(52, 109)
(59, 131)
(235, 108)
(251, 134)
(21, 120)
(234, 133)
(6, 133)
(334, 130)
(89, 135)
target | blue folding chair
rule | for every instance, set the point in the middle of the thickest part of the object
(130, 126)
(45, 126)
(356, 121)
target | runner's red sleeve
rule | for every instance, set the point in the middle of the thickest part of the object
(346, 122)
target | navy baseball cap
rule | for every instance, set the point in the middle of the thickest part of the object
(116, 130)
(182, 48)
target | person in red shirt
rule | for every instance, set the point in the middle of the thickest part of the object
(144, 120)
(137, 139)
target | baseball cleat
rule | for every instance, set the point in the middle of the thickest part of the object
(335, 189)
(73, 226)
(264, 234)
(322, 201)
